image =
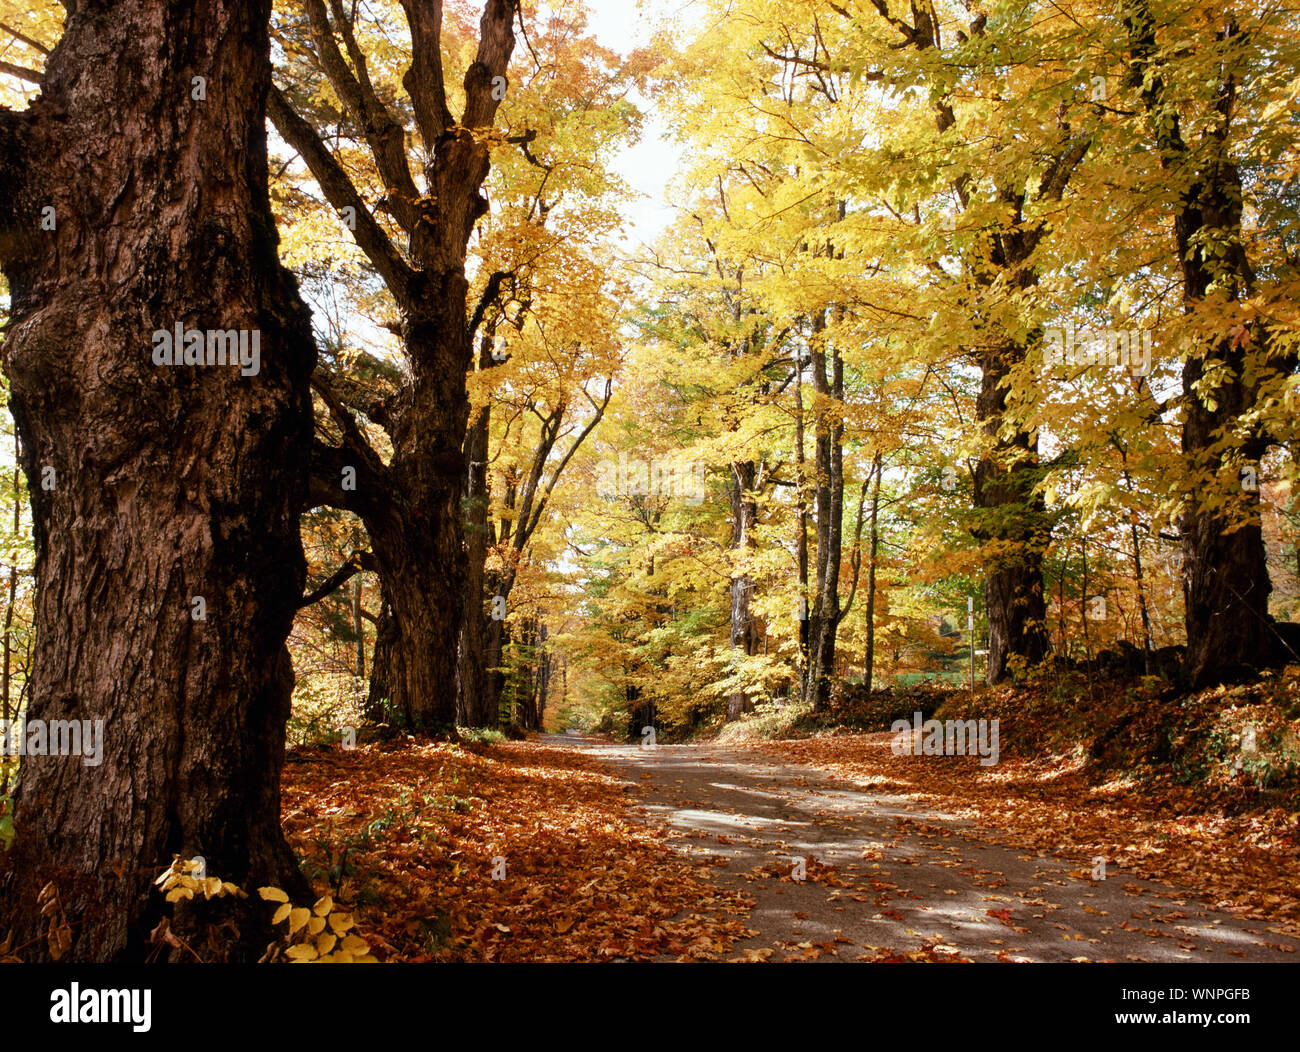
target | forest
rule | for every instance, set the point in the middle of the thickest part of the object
(501, 481)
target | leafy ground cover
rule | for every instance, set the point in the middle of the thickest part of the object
(411, 836)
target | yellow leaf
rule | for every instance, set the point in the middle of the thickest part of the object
(273, 894)
(340, 922)
(297, 918)
(281, 913)
(316, 925)
(355, 944)
(303, 951)
(176, 894)
(325, 943)
(323, 905)
(60, 941)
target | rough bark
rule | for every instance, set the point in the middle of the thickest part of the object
(1225, 574)
(480, 679)
(1015, 530)
(385, 661)
(171, 481)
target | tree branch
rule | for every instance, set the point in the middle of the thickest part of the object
(347, 423)
(355, 564)
(596, 417)
(21, 72)
(35, 45)
(384, 135)
(423, 78)
(490, 293)
(340, 193)
(495, 45)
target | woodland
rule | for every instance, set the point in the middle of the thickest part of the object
(386, 508)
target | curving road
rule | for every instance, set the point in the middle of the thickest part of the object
(885, 878)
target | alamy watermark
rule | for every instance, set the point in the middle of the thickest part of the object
(1128, 348)
(949, 738)
(654, 478)
(82, 738)
(94, 1005)
(182, 346)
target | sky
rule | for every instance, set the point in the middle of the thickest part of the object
(648, 166)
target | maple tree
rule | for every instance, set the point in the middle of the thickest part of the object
(411, 502)
(180, 497)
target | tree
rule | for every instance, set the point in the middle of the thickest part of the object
(527, 491)
(550, 330)
(411, 501)
(165, 497)
(1225, 576)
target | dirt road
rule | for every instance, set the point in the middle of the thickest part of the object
(884, 878)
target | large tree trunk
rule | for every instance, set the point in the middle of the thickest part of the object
(483, 641)
(414, 664)
(172, 482)
(411, 506)
(1017, 530)
(411, 511)
(1225, 574)
(425, 560)
(420, 567)
(479, 685)
(385, 663)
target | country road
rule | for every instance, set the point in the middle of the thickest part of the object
(887, 878)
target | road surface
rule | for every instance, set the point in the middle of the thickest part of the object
(884, 878)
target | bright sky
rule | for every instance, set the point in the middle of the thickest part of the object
(648, 166)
